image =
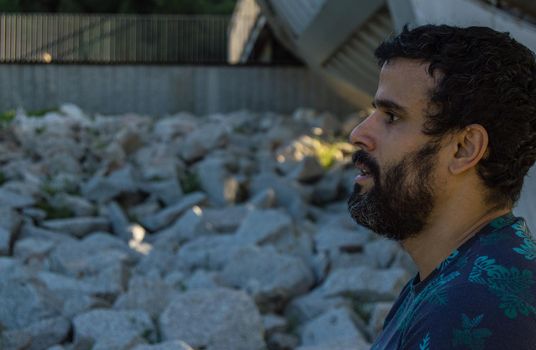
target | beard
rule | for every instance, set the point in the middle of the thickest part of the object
(399, 206)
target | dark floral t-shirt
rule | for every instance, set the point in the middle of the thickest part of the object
(483, 296)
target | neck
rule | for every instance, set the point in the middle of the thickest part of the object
(445, 233)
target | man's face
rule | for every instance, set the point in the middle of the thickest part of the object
(394, 195)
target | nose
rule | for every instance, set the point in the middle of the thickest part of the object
(362, 135)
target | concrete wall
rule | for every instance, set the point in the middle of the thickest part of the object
(159, 90)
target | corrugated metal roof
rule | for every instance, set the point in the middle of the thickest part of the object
(297, 14)
(354, 61)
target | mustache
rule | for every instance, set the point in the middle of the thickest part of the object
(367, 160)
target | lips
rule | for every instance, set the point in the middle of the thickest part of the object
(365, 165)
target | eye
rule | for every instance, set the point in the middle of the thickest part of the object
(391, 118)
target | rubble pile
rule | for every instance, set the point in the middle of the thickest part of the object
(220, 232)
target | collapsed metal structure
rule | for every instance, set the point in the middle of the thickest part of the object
(336, 38)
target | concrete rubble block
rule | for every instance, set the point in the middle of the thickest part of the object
(33, 251)
(23, 302)
(118, 221)
(307, 170)
(40, 335)
(365, 283)
(29, 230)
(150, 294)
(201, 141)
(208, 252)
(336, 239)
(79, 206)
(273, 323)
(168, 345)
(264, 226)
(15, 200)
(265, 199)
(180, 124)
(328, 188)
(204, 279)
(383, 251)
(114, 329)
(167, 215)
(224, 220)
(377, 318)
(89, 256)
(10, 222)
(215, 179)
(336, 327)
(282, 341)
(158, 162)
(186, 227)
(78, 227)
(104, 188)
(308, 306)
(215, 319)
(270, 277)
(157, 263)
(286, 192)
(168, 191)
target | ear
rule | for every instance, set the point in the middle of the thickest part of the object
(470, 146)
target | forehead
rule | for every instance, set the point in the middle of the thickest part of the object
(407, 83)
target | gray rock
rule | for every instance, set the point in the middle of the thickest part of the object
(114, 329)
(10, 222)
(76, 303)
(221, 187)
(286, 192)
(169, 191)
(210, 252)
(33, 251)
(78, 205)
(103, 188)
(271, 278)
(47, 332)
(336, 327)
(328, 188)
(169, 345)
(204, 279)
(273, 323)
(169, 128)
(183, 229)
(224, 220)
(158, 162)
(23, 303)
(309, 306)
(264, 226)
(118, 221)
(282, 341)
(156, 263)
(220, 319)
(14, 200)
(382, 251)
(166, 216)
(150, 294)
(28, 230)
(202, 140)
(336, 239)
(77, 227)
(377, 317)
(365, 283)
(263, 200)
(89, 256)
(308, 169)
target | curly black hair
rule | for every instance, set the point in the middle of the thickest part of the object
(486, 78)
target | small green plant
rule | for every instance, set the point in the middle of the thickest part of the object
(54, 212)
(190, 182)
(3, 178)
(7, 116)
(41, 112)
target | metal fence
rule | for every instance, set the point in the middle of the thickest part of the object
(83, 38)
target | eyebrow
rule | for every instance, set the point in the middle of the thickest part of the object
(388, 104)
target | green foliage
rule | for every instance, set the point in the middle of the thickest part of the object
(54, 212)
(7, 116)
(190, 182)
(120, 6)
(3, 178)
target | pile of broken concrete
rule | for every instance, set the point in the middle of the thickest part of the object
(219, 232)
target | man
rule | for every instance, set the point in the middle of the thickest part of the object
(442, 159)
